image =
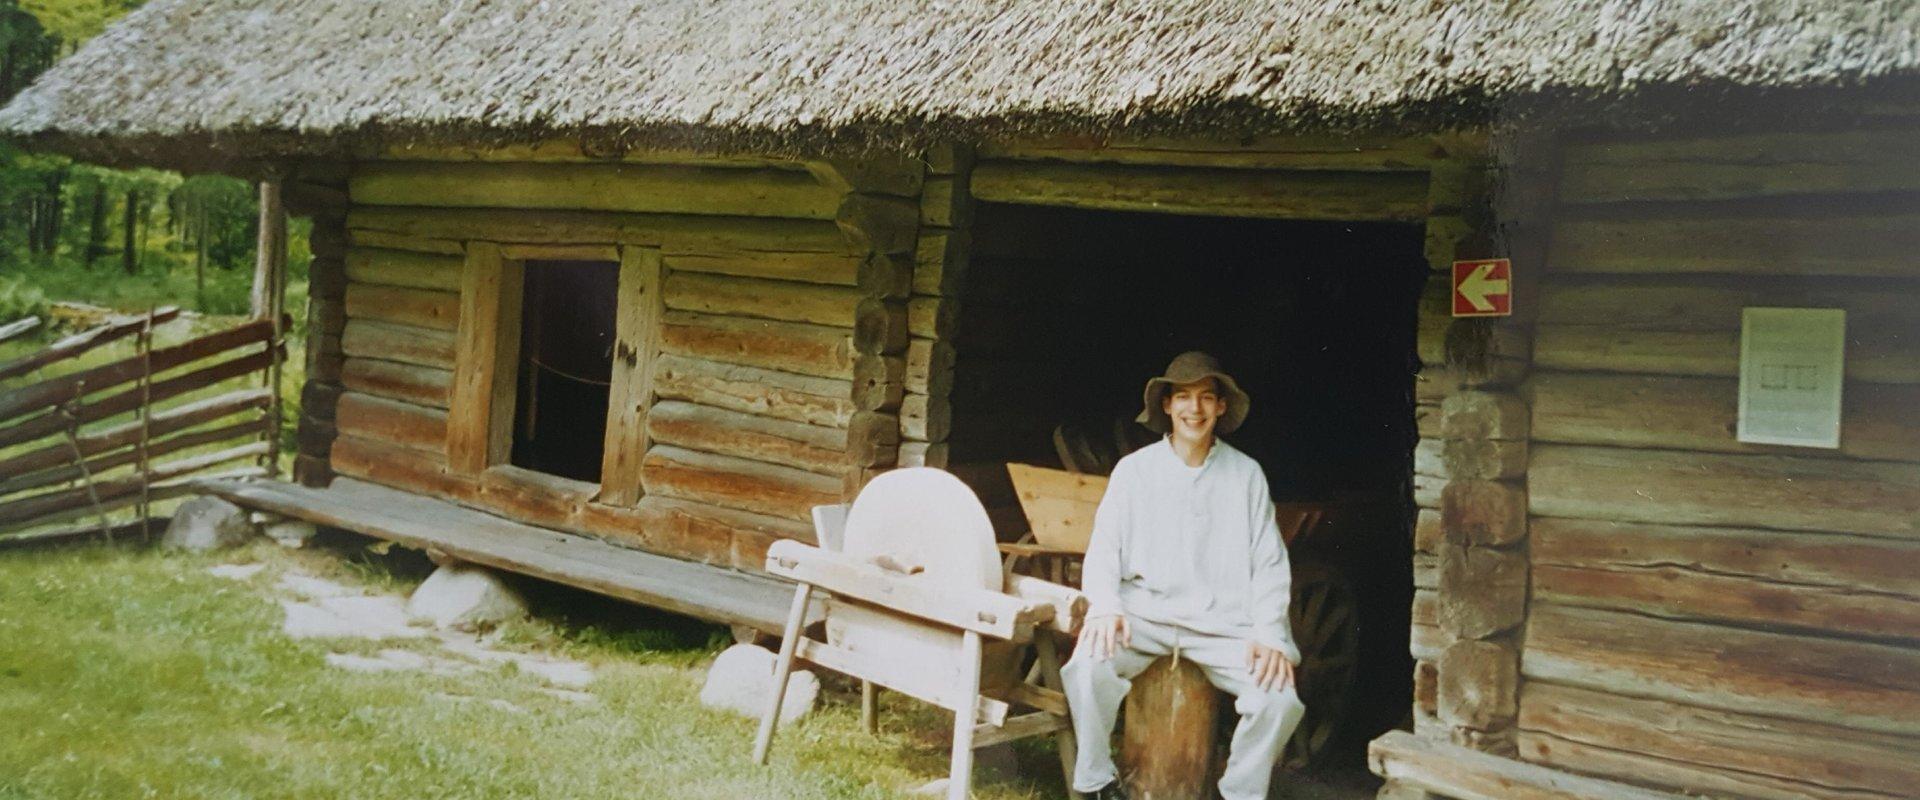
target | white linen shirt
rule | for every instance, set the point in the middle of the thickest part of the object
(1196, 547)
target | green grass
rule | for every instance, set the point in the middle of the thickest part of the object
(129, 674)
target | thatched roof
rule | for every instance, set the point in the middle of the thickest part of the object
(799, 73)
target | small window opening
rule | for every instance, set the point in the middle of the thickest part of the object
(566, 363)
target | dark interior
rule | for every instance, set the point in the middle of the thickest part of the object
(1068, 312)
(566, 362)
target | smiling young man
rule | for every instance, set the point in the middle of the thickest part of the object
(1186, 561)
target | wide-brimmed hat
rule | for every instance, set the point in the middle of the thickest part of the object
(1190, 367)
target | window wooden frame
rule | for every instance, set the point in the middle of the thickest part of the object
(487, 349)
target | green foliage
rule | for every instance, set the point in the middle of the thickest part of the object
(75, 21)
(20, 299)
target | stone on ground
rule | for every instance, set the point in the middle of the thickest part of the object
(290, 533)
(741, 678)
(465, 597)
(207, 523)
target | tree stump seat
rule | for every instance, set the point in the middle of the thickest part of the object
(1170, 729)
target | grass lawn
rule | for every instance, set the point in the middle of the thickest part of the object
(130, 673)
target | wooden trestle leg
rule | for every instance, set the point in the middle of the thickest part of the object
(960, 777)
(782, 669)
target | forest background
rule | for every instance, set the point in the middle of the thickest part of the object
(124, 239)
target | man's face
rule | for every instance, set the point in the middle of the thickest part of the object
(1194, 408)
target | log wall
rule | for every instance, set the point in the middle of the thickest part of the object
(776, 354)
(1710, 615)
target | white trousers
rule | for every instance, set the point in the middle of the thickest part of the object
(1096, 686)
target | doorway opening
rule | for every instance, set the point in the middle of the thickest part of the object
(567, 320)
(1068, 312)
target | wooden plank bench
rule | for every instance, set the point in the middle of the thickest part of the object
(1464, 774)
(685, 587)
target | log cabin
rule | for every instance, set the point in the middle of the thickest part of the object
(613, 294)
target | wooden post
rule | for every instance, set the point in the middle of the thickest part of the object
(1166, 752)
(268, 300)
(480, 411)
(635, 353)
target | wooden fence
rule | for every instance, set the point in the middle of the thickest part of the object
(77, 447)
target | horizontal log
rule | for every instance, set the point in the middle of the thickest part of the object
(595, 187)
(778, 300)
(926, 419)
(837, 269)
(1454, 771)
(1304, 153)
(751, 390)
(879, 382)
(1875, 244)
(421, 308)
(397, 241)
(403, 424)
(1846, 585)
(940, 261)
(1852, 684)
(567, 149)
(1748, 165)
(872, 173)
(923, 454)
(1714, 303)
(1427, 638)
(160, 423)
(672, 233)
(399, 467)
(932, 317)
(1708, 750)
(392, 380)
(55, 506)
(158, 392)
(737, 483)
(386, 267)
(100, 465)
(559, 251)
(930, 367)
(731, 433)
(82, 342)
(64, 388)
(944, 202)
(406, 344)
(1761, 491)
(814, 350)
(659, 525)
(1688, 413)
(1325, 195)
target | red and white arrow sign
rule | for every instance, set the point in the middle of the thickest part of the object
(1483, 288)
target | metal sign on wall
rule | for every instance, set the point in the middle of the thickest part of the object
(1792, 364)
(1483, 288)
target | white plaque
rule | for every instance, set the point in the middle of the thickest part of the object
(1791, 367)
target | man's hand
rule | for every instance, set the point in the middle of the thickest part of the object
(1105, 635)
(1269, 667)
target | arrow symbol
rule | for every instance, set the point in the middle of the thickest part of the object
(1481, 283)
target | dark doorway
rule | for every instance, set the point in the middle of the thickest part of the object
(1067, 313)
(566, 362)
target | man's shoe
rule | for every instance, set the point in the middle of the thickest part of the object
(1112, 791)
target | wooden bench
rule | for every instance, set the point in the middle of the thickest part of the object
(684, 587)
(1427, 765)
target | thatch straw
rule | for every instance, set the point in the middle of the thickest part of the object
(795, 73)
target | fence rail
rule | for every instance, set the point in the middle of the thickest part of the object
(77, 447)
